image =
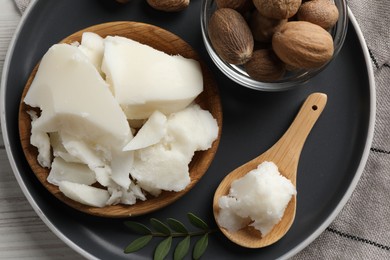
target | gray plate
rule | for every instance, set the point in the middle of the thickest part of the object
(331, 162)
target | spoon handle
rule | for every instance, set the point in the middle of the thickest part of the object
(286, 152)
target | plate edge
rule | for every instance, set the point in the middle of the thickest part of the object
(42, 216)
(366, 152)
(289, 254)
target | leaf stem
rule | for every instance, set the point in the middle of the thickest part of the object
(191, 234)
(172, 229)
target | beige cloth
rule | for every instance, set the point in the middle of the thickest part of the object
(22, 4)
(362, 229)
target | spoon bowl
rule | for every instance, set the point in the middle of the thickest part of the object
(285, 154)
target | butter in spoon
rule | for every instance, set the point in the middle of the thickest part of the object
(285, 154)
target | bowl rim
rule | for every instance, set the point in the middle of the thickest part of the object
(238, 75)
(209, 99)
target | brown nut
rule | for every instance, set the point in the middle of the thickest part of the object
(169, 5)
(263, 27)
(321, 12)
(234, 4)
(265, 66)
(277, 9)
(302, 44)
(230, 36)
(291, 68)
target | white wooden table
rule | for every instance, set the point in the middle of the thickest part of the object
(23, 235)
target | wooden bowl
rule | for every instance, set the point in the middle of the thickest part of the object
(209, 99)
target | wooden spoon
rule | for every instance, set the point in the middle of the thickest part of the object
(285, 154)
(209, 99)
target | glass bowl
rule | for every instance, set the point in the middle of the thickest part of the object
(291, 79)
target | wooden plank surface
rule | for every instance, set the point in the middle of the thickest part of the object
(23, 235)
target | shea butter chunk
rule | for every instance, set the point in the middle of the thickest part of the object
(159, 168)
(84, 194)
(62, 88)
(150, 133)
(258, 199)
(40, 140)
(92, 45)
(164, 165)
(94, 96)
(73, 172)
(145, 79)
(192, 129)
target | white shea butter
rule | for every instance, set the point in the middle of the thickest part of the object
(150, 133)
(59, 150)
(92, 45)
(73, 172)
(88, 93)
(164, 165)
(161, 168)
(40, 140)
(258, 199)
(145, 79)
(191, 129)
(75, 99)
(84, 194)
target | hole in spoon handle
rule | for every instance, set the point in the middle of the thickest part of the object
(304, 121)
(308, 114)
(287, 150)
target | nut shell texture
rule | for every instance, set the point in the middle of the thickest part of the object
(277, 9)
(302, 44)
(169, 5)
(265, 66)
(263, 28)
(234, 4)
(230, 36)
(321, 12)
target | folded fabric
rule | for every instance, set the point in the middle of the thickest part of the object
(22, 4)
(373, 17)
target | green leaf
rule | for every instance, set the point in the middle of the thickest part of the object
(200, 246)
(197, 222)
(162, 249)
(177, 226)
(182, 248)
(138, 227)
(160, 227)
(138, 244)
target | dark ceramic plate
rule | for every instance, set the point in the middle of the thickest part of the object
(331, 162)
